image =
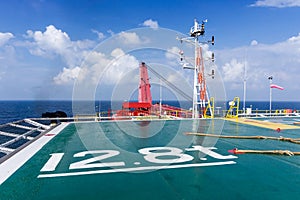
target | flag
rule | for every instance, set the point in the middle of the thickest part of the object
(276, 86)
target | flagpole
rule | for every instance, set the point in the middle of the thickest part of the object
(270, 78)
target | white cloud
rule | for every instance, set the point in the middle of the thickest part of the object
(207, 54)
(277, 3)
(150, 23)
(119, 67)
(55, 42)
(117, 53)
(233, 71)
(67, 76)
(281, 60)
(254, 43)
(94, 64)
(112, 65)
(100, 35)
(5, 37)
(110, 32)
(98, 67)
(129, 38)
(173, 53)
(295, 39)
(52, 39)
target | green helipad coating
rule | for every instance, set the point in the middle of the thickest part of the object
(155, 160)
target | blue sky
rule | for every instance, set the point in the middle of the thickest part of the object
(44, 43)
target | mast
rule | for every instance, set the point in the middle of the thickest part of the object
(199, 82)
(160, 97)
(200, 95)
(270, 79)
(245, 82)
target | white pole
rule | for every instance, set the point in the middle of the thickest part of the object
(270, 100)
(270, 78)
(244, 103)
(195, 105)
(160, 97)
(245, 82)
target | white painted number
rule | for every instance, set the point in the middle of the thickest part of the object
(208, 151)
(158, 155)
(162, 155)
(95, 161)
(52, 163)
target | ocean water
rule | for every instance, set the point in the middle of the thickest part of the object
(16, 110)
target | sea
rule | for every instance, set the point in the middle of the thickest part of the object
(11, 111)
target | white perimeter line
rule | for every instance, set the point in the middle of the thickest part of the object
(11, 165)
(135, 169)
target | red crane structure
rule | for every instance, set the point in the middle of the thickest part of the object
(144, 104)
(144, 87)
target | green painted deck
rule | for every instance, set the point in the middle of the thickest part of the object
(153, 160)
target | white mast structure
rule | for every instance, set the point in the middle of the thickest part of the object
(270, 79)
(200, 95)
(245, 82)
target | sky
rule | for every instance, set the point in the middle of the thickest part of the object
(55, 49)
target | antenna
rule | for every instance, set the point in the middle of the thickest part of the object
(198, 30)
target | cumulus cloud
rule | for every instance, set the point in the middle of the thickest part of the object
(294, 39)
(173, 56)
(150, 23)
(129, 38)
(233, 70)
(94, 61)
(281, 60)
(277, 3)
(111, 66)
(100, 35)
(67, 75)
(119, 67)
(117, 53)
(5, 37)
(99, 67)
(111, 32)
(108, 69)
(172, 53)
(53, 42)
(254, 43)
(271, 57)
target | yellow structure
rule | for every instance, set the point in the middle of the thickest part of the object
(233, 110)
(210, 109)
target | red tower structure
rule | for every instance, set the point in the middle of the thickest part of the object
(144, 104)
(144, 86)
